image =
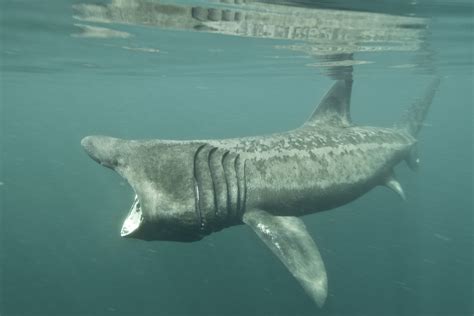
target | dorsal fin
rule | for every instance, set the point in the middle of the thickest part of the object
(334, 108)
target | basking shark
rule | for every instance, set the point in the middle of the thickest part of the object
(186, 190)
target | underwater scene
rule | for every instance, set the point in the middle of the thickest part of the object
(263, 157)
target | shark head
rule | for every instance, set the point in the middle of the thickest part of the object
(163, 207)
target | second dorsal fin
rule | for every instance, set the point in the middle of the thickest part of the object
(334, 108)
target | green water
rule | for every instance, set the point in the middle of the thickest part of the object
(61, 213)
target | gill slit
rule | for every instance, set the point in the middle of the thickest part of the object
(196, 189)
(244, 203)
(236, 167)
(226, 182)
(213, 176)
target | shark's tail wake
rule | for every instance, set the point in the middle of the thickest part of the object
(414, 116)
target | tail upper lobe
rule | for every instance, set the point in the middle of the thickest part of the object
(413, 118)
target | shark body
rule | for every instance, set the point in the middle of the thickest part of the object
(186, 190)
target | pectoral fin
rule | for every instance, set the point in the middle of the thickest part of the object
(289, 240)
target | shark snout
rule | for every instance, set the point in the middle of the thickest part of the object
(102, 149)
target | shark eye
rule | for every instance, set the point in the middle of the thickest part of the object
(116, 162)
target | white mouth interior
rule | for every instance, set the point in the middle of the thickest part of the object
(133, 220)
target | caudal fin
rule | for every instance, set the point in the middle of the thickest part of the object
(413, 118)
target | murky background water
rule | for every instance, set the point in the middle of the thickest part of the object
(214, 69)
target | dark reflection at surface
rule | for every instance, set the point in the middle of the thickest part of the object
(332, 37)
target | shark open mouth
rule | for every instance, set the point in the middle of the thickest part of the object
(133, 220)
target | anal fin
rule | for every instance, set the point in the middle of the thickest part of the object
(289, 240)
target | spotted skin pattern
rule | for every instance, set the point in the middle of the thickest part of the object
(317, 168)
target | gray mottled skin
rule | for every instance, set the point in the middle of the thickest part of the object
(189, 189)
